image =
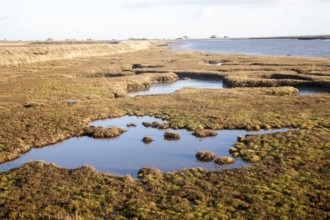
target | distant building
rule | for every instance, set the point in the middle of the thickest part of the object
(213, 36)
(185, 37)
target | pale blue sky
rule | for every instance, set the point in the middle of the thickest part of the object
(121, 19)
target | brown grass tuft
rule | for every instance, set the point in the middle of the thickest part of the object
(205, 156)
(100, 132)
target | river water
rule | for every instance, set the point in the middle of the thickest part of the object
(267, 47)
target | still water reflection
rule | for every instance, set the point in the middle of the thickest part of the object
(127, 153)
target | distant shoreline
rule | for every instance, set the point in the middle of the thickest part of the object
(320, 37)
(283, 46)
(303, 37)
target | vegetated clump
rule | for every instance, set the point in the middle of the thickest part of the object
(100, 132)
(249, 155)
(131, 125)
(159, 125)
(266, 126)
(146, 124)
(234, 151)
(205, 156)
(156, 124)
(246, 150)
(240, 139)
(149, 172)
(171, 136)
(254, 158)
(224, 160)
(164, 78)
(119, 94)
(239, 145)
(282, 91)
(204, 133)
(147, 140)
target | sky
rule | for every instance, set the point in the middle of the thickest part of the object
(159, 19)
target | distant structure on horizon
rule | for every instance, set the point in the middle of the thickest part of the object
(70, 40)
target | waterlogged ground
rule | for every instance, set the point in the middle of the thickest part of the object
(126, 154)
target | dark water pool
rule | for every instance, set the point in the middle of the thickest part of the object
(166, 88)
(127, 153)
(313, 90)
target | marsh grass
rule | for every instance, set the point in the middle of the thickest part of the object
(293, 171)
(221, 160)
(205, 156)
(290, 179)
(100, 132)
(171, 135)
(147, 139)
(201, 133)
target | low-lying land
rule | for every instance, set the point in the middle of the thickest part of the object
(291, 182)
(291, 177)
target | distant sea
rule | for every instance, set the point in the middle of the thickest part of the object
(261, 47)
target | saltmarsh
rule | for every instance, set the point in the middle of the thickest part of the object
(291, 179)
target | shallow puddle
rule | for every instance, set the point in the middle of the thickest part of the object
(166, 88)
(127, 153)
